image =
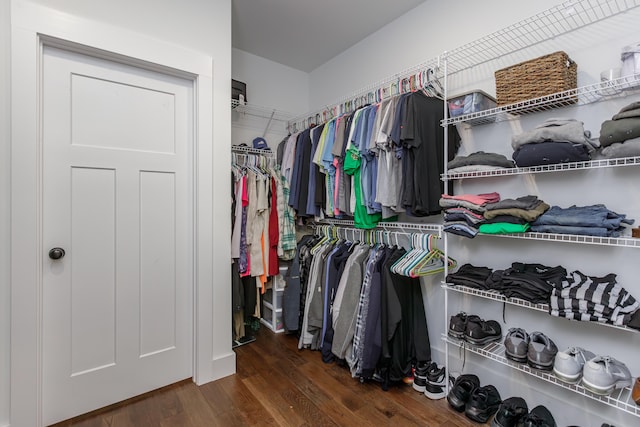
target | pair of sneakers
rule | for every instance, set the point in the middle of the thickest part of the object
(430, 379)
(515, 412)
(477, 403)
(473, 329)
(535, 349)
(600, 374)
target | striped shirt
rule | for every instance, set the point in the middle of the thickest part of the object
(593, 299)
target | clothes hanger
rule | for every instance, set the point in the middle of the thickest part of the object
(436, 262)
(399, 265)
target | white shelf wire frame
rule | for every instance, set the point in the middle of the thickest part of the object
(627, 242)
(620, 399)
(561, 19)
(430, 228)
(241, 149)
(259, 111)
(622, 86)
(497, 296)
(560, 167)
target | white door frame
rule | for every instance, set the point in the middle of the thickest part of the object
(33, 27)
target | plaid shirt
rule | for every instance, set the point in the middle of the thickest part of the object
(287, 240)
(363, 310)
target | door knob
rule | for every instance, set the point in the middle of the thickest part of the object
(56, 253)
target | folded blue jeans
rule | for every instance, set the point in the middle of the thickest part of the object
(583, 216)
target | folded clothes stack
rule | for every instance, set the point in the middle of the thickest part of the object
(479, 162)
(574, 296)
(463, 213)
(594, 299)
(530, 282)
(556, 140)
(620, 136)
(512, 215)
(594, 220)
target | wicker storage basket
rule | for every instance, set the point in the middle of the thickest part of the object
(537, 77)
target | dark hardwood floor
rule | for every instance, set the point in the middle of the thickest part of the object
(277, 385)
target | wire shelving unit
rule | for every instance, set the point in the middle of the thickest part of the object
(620, 398)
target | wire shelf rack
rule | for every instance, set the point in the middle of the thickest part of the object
(431, 228)
(497, 296)
(627, 242)
(259, 111)
(620, 399)
(241, 149)
(596, 92)
(561, 19)
(560, 167)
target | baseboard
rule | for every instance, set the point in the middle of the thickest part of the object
(220, 367)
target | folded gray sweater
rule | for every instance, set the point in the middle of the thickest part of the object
(556, 130)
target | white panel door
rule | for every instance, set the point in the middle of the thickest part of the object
(117, 307)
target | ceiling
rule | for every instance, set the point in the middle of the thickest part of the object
(304, 34)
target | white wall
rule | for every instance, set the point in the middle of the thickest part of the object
(419, 35)
(5, 228)
(198, 25)
(270, 85)
(439, 25)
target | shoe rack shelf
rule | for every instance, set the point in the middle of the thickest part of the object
(620, 399)
(561, 167)
(497, 296)
(476, 58)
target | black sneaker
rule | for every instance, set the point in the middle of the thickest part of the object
(538, 417)
(480, 332)
(420, 376)
(510, 412)
(458, 324)
(436, 382)
(461, 391)
(483, 403)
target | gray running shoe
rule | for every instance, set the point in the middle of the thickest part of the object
(569, 364)
(603, 374)
(516, 345)
(541, 352)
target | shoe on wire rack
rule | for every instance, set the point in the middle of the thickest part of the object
(542, 351)
(510, 412)
(481, 332)
(461, 391)
(458, 324)
(516, 345)
(603, 374)
(569, 364)
(483, 403)
(538, 417)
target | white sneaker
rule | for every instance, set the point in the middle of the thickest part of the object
(603, 374)
(568, 364)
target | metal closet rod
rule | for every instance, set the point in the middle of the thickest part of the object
(401, 82)
(406, 227)
(250, 150)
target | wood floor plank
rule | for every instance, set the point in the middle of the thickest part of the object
(278, 385)
(282, 411)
